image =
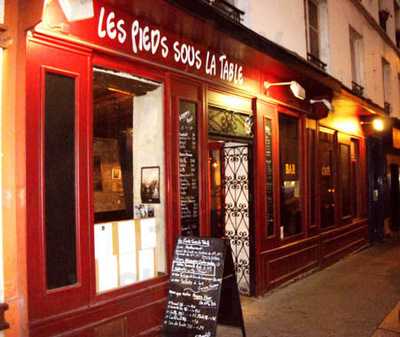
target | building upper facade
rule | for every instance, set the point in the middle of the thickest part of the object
(355, 41)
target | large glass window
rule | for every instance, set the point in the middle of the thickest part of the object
(128, 179)
(356, 55)
(291, 214)
(59, 201)
(356, 177)
(345, 180)
(311, 143)
(327, 175)
(313, 28)
(386, 74)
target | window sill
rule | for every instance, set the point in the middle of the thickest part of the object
(129, 290)
(316, 61)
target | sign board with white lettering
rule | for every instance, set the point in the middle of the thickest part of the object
(203, 290)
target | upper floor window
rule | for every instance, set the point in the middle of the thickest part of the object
(398, 89)
(386, 84)
(317, 36)
(397, 22)
(356, 54)
(384, 15)
(229, 8)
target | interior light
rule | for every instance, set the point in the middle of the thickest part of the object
(119, 91)
(347, 124)
(297, 90)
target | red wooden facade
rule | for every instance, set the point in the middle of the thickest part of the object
(137, 310)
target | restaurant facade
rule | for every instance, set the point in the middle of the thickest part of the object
(146, 120)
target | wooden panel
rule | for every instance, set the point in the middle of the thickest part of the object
(156, 332)
(338, 243)
(146, 319)
(290, 265)
(150, 301)
(282, 264)
(115, 328)
(58, 59)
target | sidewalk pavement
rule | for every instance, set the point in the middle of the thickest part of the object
(349, 299)
(390, 327)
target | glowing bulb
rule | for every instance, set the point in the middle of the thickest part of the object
(377, 124)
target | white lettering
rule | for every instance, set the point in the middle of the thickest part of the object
(111, 31)
(198, 60)
(177, 55)
(146, 39)
(155, 40)
(135, 32)
(164, 47)
(100, 31)
(121, 31)
(143, 38)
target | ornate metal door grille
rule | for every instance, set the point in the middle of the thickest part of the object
(237, 219)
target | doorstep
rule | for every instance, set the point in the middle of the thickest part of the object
(390, 327)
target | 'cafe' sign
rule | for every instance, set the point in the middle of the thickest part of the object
(140, 38)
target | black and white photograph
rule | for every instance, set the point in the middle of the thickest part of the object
(150, 185)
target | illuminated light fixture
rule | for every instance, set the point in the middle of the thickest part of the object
(324, 101)
(119, 91)
(75, 10)
(296, 89)
(377, 124)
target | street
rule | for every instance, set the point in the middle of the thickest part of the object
(348, 299)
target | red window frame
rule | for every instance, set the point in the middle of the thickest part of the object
(42, 57)
(302, 175)
(122, 65)
(45, 54)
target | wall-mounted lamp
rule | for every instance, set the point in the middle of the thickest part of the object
(75, 10)
(324, 101)
(377, 124)
(296, 89)
(320, 108)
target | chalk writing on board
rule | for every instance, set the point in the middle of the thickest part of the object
(188, 172)
(196, 284)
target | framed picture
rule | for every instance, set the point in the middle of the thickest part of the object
(116, 174)
(150, 185)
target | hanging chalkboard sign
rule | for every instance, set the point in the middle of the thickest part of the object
(203, 290)
(188, 172)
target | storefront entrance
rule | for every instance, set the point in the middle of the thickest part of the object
(230, 167)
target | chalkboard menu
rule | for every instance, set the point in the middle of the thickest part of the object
(269, 187)
(203, 289)
(188, 168)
